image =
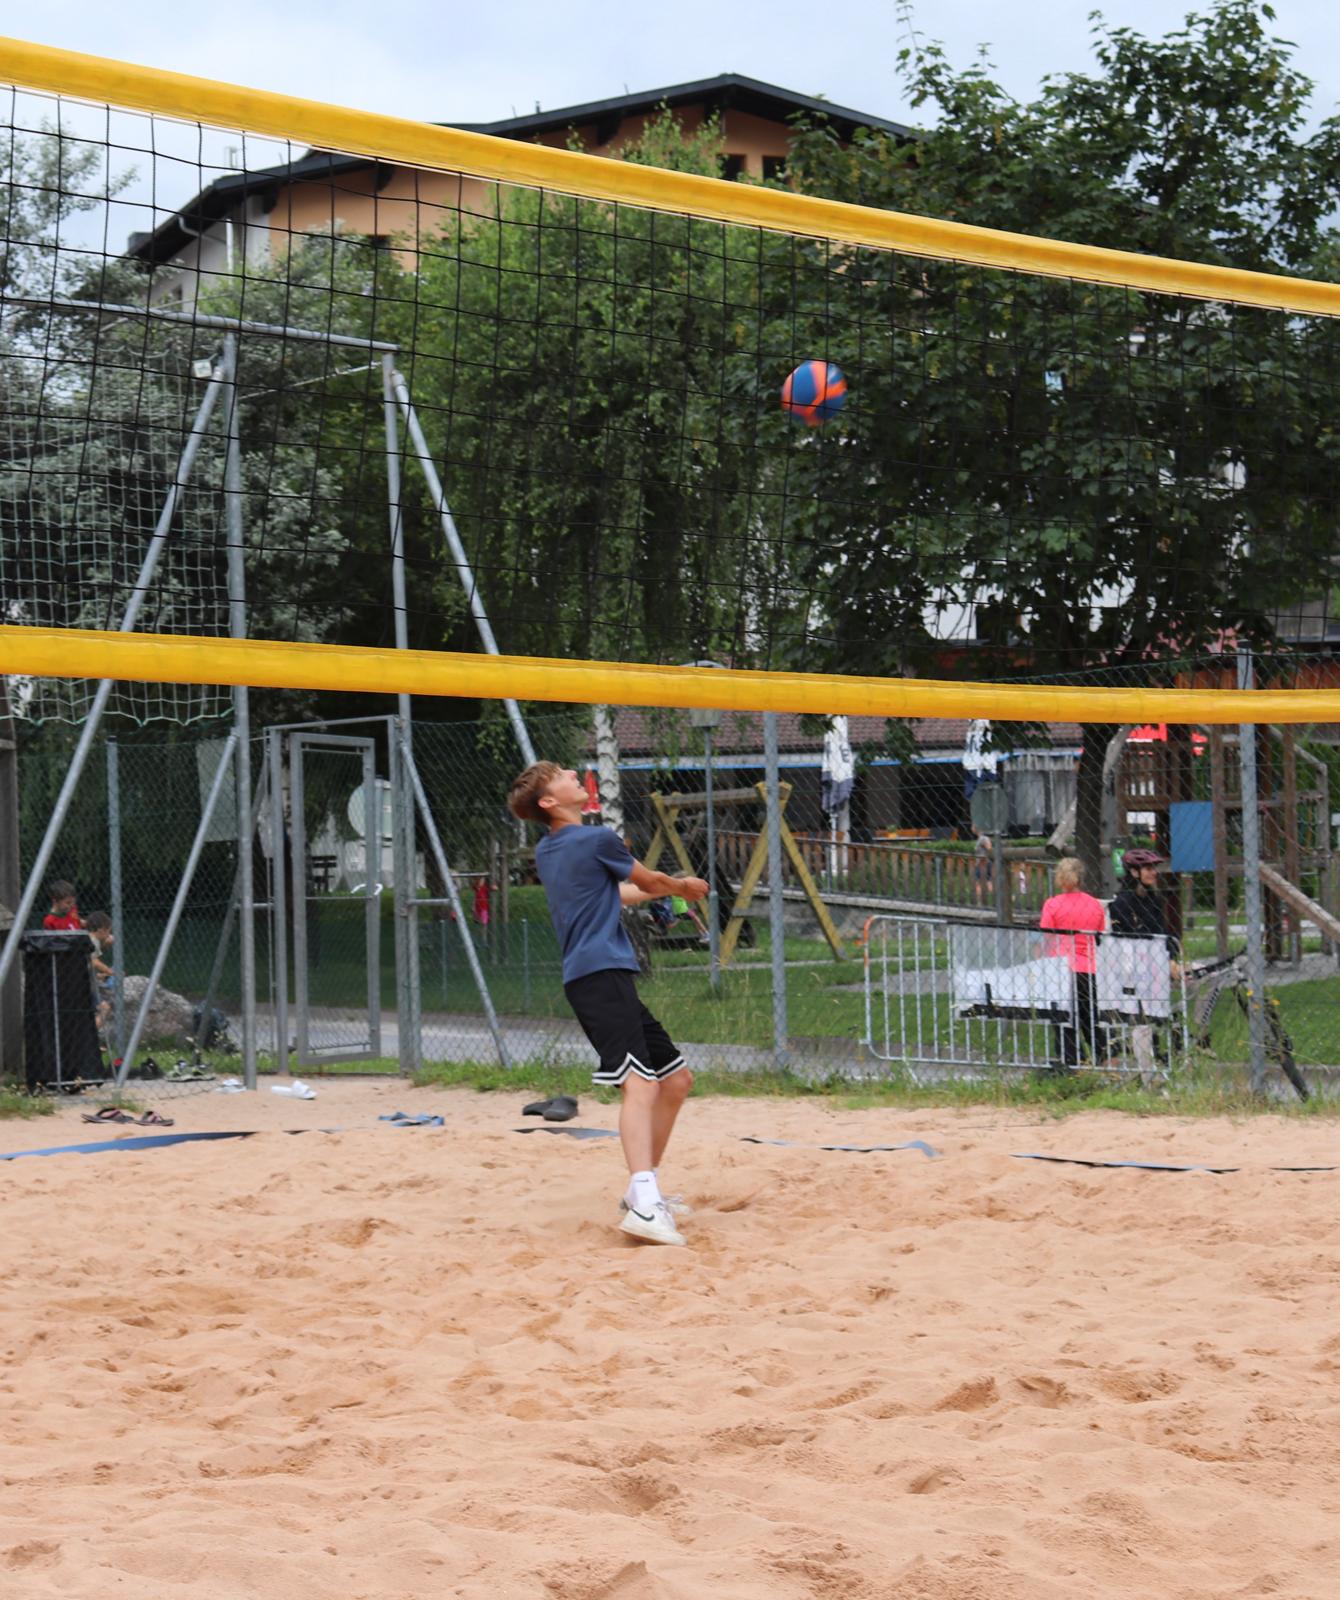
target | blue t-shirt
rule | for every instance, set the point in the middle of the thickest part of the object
(581, 869)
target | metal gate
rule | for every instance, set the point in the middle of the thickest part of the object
(337, 835)
(953, 999)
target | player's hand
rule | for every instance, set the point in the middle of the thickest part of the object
(692, 889)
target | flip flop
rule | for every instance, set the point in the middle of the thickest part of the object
(109, 1114)
(536, 1108)
(562, 1108)
(153, 1119)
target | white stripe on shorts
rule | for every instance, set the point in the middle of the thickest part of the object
(630, 1063)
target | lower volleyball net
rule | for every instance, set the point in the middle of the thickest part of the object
(914, 899)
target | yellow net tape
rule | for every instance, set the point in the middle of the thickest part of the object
(259, 663)
(421, 144)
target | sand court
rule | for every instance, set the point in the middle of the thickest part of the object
(391, 1363)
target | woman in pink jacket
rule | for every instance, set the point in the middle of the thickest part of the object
(1073, 918)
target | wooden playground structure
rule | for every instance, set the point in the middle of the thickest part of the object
(669, 808)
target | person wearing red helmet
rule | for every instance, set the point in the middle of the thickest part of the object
(1138, 909)
(1138, 905)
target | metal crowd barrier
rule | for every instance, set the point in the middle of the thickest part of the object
(950, 999)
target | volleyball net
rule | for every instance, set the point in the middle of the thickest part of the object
(1050, 458)
(330, 407)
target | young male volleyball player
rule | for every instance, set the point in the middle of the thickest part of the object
(589, 874)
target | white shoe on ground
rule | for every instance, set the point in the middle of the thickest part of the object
(675, 1204)
(656, 1226)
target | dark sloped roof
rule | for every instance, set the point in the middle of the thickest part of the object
(224, 195)
(727, 91)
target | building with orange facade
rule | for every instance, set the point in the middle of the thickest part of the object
(241, 218)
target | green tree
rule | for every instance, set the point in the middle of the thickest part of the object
(48, 178)
(569, 359)
(1110, 477)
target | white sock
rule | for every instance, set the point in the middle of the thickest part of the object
(644, 1193)
(628, 1193)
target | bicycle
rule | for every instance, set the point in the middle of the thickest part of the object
(1230, 976)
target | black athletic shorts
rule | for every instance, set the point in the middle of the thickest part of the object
(626, 1036)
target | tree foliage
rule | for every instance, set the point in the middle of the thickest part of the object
(569, 360)
(1111, 476)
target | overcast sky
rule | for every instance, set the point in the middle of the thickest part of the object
(450, 62)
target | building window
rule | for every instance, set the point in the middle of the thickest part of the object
(732, 167)
(774, 168)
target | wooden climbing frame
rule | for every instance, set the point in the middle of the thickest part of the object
(668, 808)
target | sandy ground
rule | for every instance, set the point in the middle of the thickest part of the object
(393, 1364)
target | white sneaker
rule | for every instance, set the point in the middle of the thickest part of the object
(675, 1204)
(297, 1090)
(656, 1226)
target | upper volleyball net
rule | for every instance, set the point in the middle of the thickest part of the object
(279, 376)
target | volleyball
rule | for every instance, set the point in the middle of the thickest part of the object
(814, 393)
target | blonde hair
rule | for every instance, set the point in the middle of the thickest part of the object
(523, 800)
(1069, 873)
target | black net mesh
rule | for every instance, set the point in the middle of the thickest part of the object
(239, 378)
(1027, 475)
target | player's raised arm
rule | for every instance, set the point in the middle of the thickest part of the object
(653, 885)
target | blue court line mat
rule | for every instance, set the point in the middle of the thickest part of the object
(152, 1141)
(927, 1150)
(155, 1141)
(145, 1141)
(1159, 1166)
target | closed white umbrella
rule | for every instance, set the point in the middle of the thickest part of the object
(839, 774)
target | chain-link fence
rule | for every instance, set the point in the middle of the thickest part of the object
(902, 847)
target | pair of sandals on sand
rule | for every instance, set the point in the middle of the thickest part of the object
(562, 1108)
(150, 1119)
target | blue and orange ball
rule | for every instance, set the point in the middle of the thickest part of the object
(814, 393)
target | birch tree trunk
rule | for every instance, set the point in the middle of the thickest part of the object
(607, 769)
(1100, 811)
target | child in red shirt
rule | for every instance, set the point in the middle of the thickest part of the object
(64, 914)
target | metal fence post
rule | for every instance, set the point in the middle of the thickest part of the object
(776, 905)
(525, 966)
(713, 896)
(1251, 890)
(409, 990)
(118, 899)
(408, 994)
(279, 899)
(11, 886)
(234, 506)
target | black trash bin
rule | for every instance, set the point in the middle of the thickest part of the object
(60, 1030)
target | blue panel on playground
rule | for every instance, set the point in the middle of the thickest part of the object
(1192, 836)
